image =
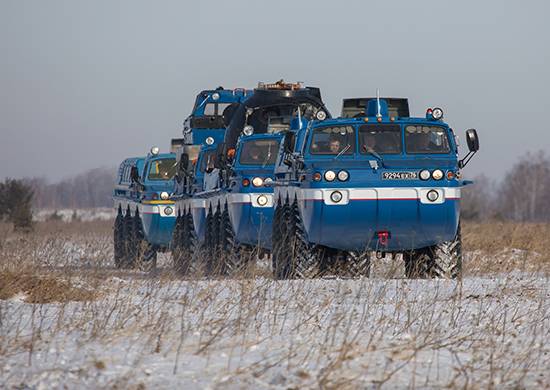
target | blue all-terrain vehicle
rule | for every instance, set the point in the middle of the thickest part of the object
(373, 181)
(145, 214)
(203, 130)
(232, 215)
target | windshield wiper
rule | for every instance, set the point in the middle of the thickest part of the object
(342, 151)
(372, 152)
(267, 157)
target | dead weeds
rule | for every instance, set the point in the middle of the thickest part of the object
(41, 288)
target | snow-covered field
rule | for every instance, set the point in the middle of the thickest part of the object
(127, 329)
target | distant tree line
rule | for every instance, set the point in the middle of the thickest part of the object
(522, 195)
(90, 189)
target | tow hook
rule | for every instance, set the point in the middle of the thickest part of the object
(383, 237)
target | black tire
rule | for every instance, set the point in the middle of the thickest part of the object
(357, 264)
(295, 258)
(177, 246)
(277, 234)
(147, 261)
(441, 261)
(129, 242)
(145, 254)
(279, 252)
(119, 239)
(211, 243)
(306, 261)
(230, 250)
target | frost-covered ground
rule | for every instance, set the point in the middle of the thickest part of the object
(93, 326)
(160, 332)
(67, 215)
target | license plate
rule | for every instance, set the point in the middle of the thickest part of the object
(399, 175)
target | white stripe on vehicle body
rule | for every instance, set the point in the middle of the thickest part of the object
(145, 208)
(374, 193)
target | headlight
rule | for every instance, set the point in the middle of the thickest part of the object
(330, 175)
(168, 210)
(316, 176)
(209, 140)
(248, 130)
(432, 195)
(437, 113)
(215, 96)
(343, 176)
(262, 200)
(336, 196)
(257, 182)
(164, 195)
(437, 174)
(424, 174)
(155, 150)
(321, 115)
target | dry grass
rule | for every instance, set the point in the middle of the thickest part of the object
(502, 247)
(41, 288)
(147, 331)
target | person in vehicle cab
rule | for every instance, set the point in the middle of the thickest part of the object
(369, 143)
(255, 154)
(424, 143)
(334, 145)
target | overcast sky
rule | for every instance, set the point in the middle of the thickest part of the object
(85, 84)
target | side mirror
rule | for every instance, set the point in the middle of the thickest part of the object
(134, 175)
(288, 143)
(473, 145)
(472, 139)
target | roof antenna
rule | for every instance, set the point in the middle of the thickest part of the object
(378, 115)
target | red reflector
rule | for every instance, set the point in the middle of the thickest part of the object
(383, 237)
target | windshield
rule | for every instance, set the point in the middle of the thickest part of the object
(207, 161)
(334, 140)
(162, 169)
(426, 139)
(259, 152)
(381, 139)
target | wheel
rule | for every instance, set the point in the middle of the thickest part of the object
(147, 260)
(280, 261)
(357, 264)
(306, 262)
(447, 258)
(443, 261)
(217, 266)
(118, 239)
(210, 243)
(293, 257)
(144, 253)
(230, 251)
(277, 234)
(129, 243)
(177, 252)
